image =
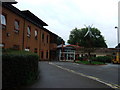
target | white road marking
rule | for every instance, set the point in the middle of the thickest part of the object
(91, 77)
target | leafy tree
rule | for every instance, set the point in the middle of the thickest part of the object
(118, 46)
(60, 41)
(77, 36)
(89, 42)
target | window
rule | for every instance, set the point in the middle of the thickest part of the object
(42, 54)
(27, 49)
(16, 47)
(42, 37)
(35, 50)
(36, 34)
(47, 38)
(16, 26)
(3, 21)
(28, 31)
(2, 45)
(47, 54)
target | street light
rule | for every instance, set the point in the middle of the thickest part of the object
(117, 33)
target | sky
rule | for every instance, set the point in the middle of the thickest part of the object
(62, 16)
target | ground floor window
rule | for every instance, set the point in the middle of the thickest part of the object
(47, 55)
(2, 45)
(16, 47)
(42, 54)
(27, 49)
(35, 50)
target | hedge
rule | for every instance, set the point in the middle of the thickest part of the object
(105, 59)
(19, 68)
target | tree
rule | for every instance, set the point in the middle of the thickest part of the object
(118, 46)
(82, 38)
(77, 36)
(60, 41)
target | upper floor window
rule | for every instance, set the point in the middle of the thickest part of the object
(36, 34)
(28, 31)
(47, 39)
(3, 21)
(16, 26)
(42, 37)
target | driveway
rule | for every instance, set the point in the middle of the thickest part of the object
(51, 76)
(107, 73)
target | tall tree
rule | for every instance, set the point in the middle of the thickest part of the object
(78, 36)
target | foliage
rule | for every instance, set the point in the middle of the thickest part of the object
(105, 59)
(82, 58)
(77, 37)
(18, 68)
(118, 46)
(60, 41)
(93, 62)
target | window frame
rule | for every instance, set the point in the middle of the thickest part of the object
(17, 29)
(43, 36)
(47, 54)
(36, 35)
(47, 38)
(28, 32)
(42, 54)
(5, 20)
(27, 49)
(35, 50)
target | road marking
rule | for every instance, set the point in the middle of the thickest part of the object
(90, 77)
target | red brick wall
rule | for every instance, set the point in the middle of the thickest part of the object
(17, 39)
(13, 39)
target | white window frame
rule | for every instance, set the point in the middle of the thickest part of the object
(28, 31)
(17, 25)
(36, 33)
(3, 20)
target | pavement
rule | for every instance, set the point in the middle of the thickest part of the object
(54, 76)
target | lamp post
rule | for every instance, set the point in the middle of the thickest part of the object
(118, 43)
(117, 33)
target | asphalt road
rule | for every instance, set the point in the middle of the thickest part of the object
(108, 73)
(52, 76)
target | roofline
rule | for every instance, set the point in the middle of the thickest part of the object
(20, 13)
(27, 11)
(11, 2)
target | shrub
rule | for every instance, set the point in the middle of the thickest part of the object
(105, 59)
(82, 58)
(18, 68)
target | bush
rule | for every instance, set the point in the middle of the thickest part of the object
(18, 68)
(105, 59)
(82, 58)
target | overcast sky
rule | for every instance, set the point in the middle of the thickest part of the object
(64, 15)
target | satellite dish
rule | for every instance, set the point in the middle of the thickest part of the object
(89, 31)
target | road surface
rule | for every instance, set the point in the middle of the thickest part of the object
(51, 76)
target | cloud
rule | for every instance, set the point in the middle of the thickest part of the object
(64, 15)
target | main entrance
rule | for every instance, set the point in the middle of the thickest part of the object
(67, 55)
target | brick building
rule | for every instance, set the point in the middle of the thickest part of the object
(23, 30)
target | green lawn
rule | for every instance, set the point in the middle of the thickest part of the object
(87, 62)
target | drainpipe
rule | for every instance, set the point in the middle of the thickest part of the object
(23, 34)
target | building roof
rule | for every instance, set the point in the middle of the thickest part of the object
(25, 14)
(31, 16)
(74, 46)
(28, 16)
